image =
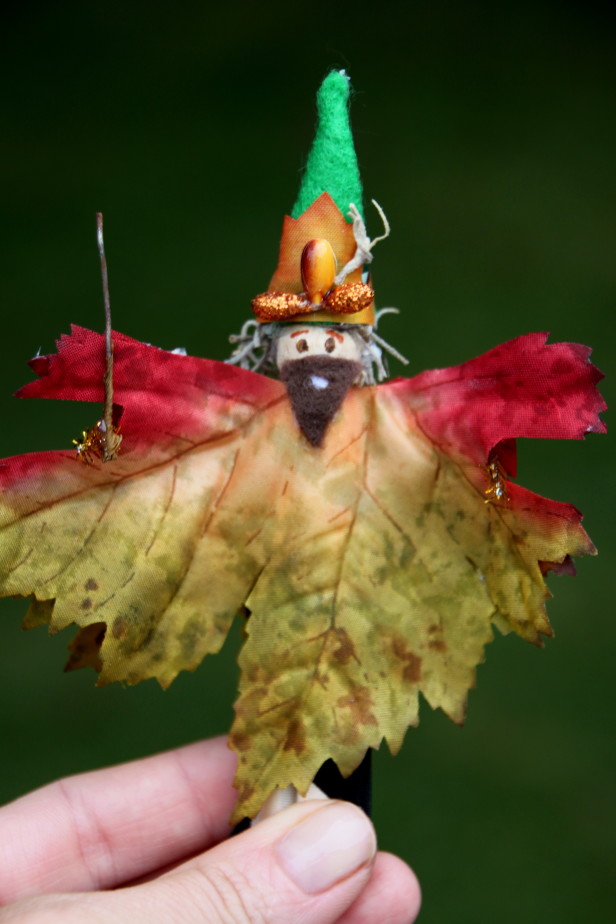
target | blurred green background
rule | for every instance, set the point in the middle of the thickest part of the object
(486, 131)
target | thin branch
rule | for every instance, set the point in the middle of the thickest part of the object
(112, 439)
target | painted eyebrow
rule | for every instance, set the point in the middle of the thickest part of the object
(296, 333)
(334, 333)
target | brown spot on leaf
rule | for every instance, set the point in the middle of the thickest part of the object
(86, 604)
(248, 705)
(360, 703)
(437, 644)
(296, 737)
(245, 792)
(147, 638)
(411, 672)
(119, 628)
(240, 741)
(346, 649)
(91, 584)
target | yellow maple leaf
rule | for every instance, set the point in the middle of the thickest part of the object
(373, 566)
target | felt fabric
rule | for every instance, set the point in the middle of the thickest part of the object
(329, 185)
(317, 386)
(332, 162)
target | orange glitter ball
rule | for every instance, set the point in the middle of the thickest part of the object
(349, 298)
(278, 306)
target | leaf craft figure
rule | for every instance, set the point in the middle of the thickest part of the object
(372, 530)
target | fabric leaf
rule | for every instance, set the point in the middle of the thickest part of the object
(373, 567)
(144, 544)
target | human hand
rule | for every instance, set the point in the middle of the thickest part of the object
(145, 842)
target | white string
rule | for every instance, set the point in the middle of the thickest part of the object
(363, 251)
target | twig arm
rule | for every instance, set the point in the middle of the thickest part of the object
(112, 438)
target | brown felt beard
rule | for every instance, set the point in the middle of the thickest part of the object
(315, 404)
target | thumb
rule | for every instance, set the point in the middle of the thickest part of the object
(306, 864)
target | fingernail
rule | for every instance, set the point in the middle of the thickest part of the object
(327, 846)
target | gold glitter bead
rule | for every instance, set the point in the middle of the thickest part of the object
(349, 298)
(278, 306)
(98, 443)
(496, 489)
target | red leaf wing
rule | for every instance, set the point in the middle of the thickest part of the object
(524, 387)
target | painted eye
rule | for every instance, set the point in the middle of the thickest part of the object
(302, 346)
(330, 345)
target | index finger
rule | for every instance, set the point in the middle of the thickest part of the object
(100, 829)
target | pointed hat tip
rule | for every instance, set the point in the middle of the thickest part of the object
(332, 163)
(333, 95)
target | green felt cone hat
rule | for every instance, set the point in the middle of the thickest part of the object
(332, 163)
(317, 237)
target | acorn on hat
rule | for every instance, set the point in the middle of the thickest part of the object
(318, 239)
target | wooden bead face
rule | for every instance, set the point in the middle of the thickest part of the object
(298, 341)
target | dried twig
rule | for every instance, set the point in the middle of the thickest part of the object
(103, 440)
(112, 439)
